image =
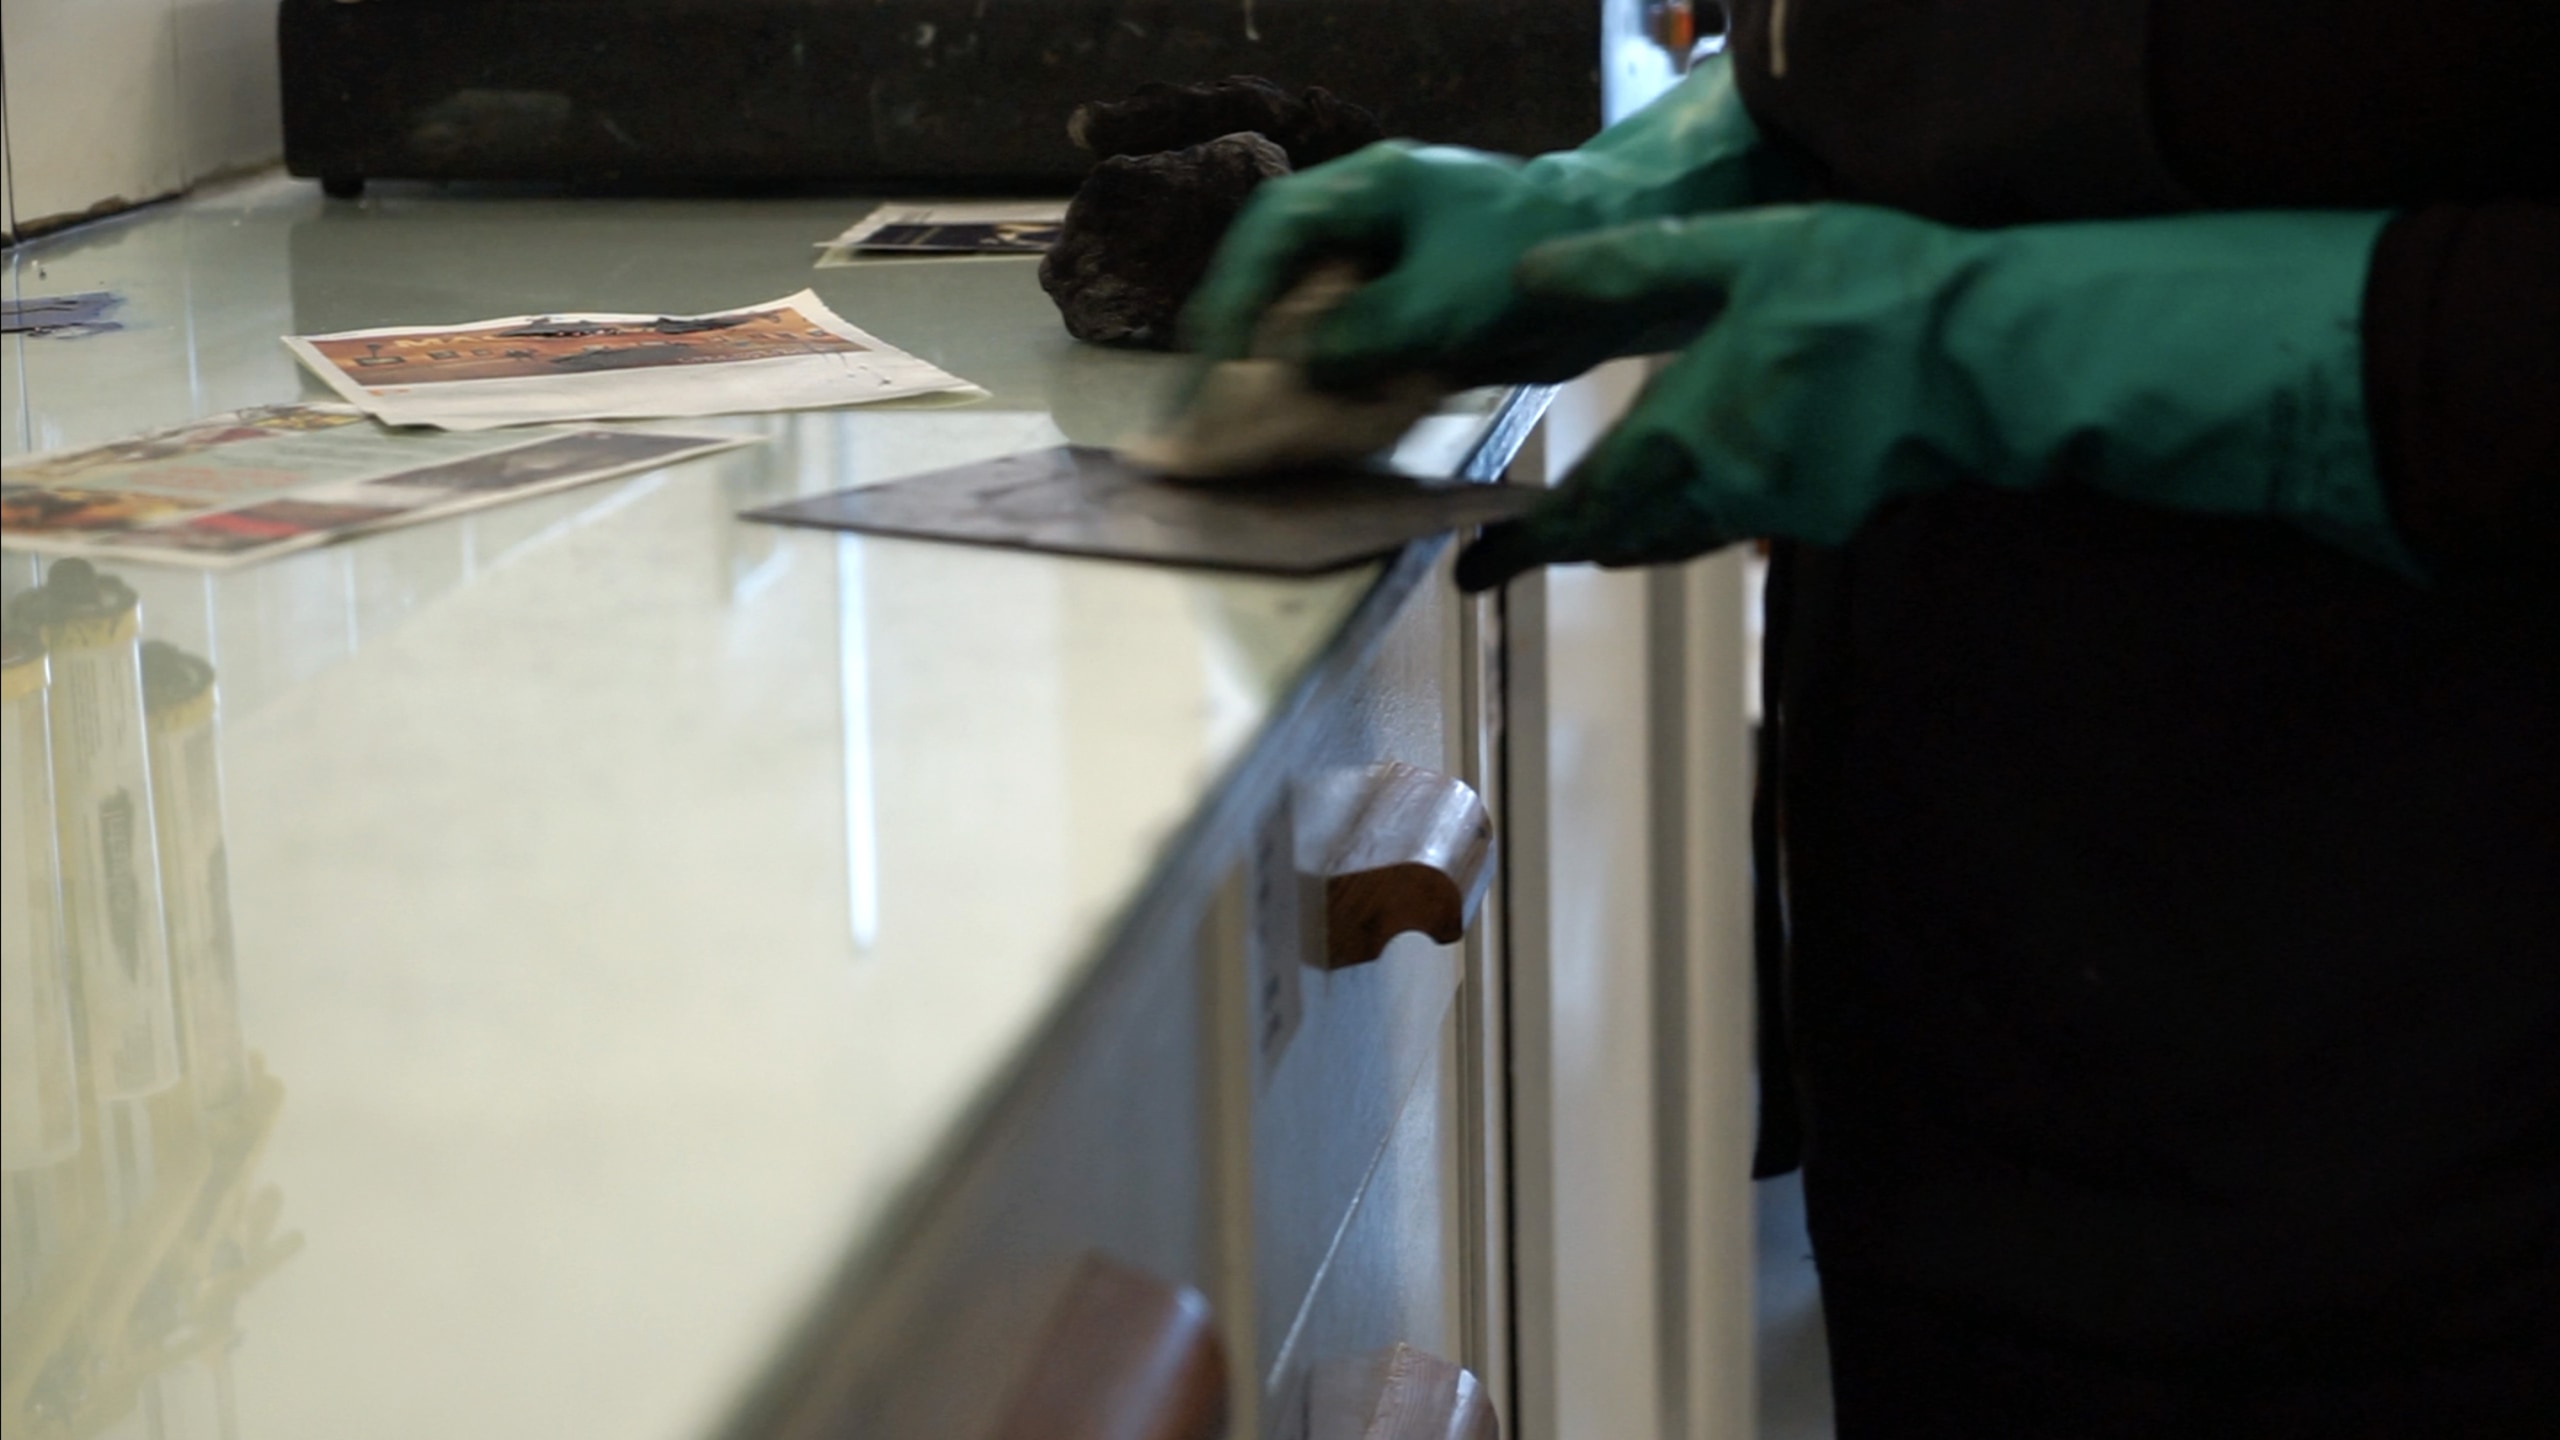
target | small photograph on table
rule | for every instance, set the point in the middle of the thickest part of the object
(578, 345)
(788, 354)
(974, 227)
(988, 237)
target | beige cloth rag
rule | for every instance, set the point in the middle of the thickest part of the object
(1258, 415)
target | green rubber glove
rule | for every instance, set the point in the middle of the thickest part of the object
(1443, 228)
(1849, 354)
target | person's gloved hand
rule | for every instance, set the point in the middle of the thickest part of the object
(1445, 227)
(1850, 354)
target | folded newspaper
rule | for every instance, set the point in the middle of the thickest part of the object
(788, 354)
(912, 228)
(250, 485)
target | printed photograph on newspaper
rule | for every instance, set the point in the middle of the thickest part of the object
(788, 354)
(253, 484)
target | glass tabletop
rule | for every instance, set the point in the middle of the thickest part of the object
(497, 970)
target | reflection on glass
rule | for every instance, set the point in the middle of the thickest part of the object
(752, 555)
(861, 799)
(135, 1115)
(17, 572)
(186, 794)
(90, 625)
(39, 1081)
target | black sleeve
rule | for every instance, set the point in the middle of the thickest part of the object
(2462, 380)
(1987, 112)
(1991, 112)
(2357, 102)
(2452, 109)
(2004, 111)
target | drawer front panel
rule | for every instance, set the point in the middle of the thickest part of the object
(1097, 1150)
(1390, 1276)
(1361, 1045)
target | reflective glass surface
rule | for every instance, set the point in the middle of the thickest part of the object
(479, 980)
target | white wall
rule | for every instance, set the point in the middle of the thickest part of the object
(1628, 813)
(115, 102)
(230, 112)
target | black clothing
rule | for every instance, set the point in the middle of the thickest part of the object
(1910, 1369)
(1996, 112)
(2172, 904)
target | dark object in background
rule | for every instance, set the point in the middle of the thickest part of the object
(1139, 235)
(1314, 127)
(1177, 162)
(955, 92)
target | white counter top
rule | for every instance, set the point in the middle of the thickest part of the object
(631, 903)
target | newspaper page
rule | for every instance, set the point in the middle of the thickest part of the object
(250, 485)
(787, 354)
(973, 227)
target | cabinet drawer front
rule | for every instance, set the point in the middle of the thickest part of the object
(1360, 1046)
(1093, 1158)
(1391, 1276)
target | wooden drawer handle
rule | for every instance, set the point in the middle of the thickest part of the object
(1125, 1356)
(1414, 853)
(1399, 1393)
